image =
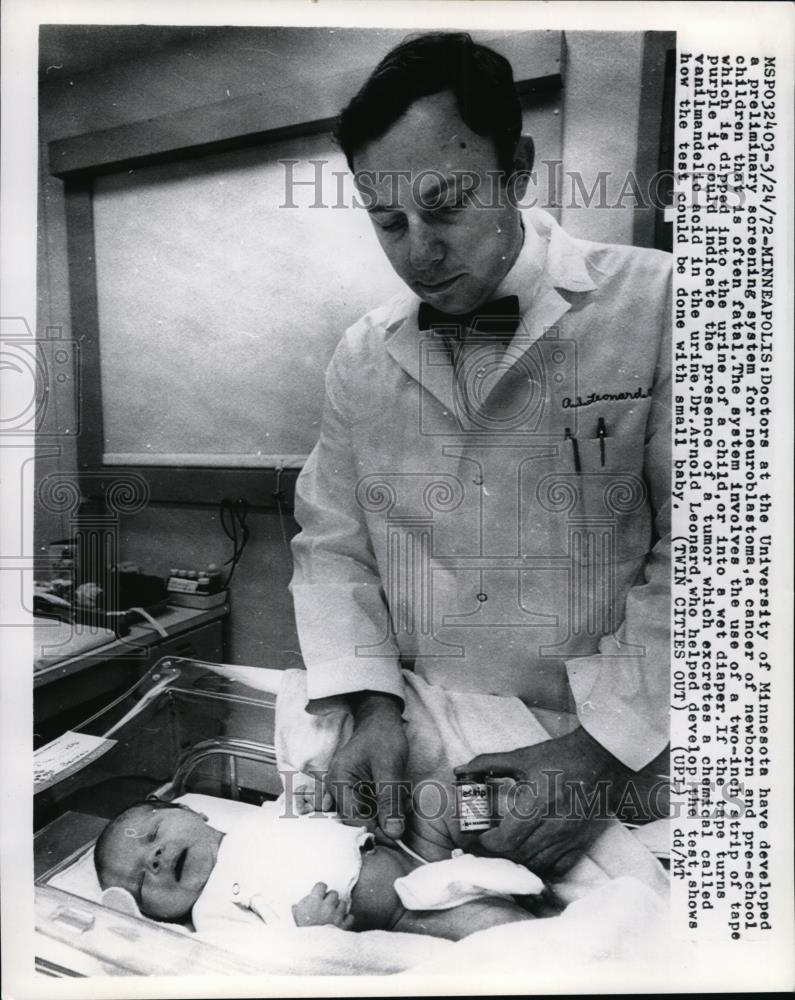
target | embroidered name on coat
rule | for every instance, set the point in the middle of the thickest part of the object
(600, 397)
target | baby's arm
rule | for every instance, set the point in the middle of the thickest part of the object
(322, 907)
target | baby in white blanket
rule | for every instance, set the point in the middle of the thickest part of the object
(304, 870)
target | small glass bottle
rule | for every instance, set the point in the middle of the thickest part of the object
(473, 801)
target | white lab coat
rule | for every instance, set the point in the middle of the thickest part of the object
(454, 498)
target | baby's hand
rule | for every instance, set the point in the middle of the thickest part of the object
(322, 907)
(309, 797)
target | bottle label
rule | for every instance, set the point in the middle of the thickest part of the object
(474, 807)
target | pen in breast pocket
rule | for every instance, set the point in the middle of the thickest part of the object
(574, 448)
(601, 433)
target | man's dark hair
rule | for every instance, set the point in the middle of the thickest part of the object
(101, 861)
(481, 80)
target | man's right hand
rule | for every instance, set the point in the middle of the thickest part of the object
(367, 776)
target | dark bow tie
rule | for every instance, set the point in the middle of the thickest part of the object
(500, 317)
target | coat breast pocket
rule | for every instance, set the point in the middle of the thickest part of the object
(596, 496)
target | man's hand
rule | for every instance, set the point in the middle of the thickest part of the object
(322, 907)
(367, 776)
(556, 807)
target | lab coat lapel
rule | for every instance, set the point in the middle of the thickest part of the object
(424, 355)
(544, 313)
(566, 269)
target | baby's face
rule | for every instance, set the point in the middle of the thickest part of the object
(164, 858)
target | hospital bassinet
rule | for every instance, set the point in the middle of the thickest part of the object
(185, 727)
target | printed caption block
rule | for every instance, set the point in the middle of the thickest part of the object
(724, 669)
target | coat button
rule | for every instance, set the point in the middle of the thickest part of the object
(482, 597)
(236, 889)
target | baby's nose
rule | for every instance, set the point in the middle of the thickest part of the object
(156, 859)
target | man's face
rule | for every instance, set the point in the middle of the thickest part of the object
(452, 251)
(163, 857)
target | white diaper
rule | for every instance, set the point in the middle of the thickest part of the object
(270, 863)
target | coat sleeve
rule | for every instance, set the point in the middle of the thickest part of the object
(340, 606)
(623, 700)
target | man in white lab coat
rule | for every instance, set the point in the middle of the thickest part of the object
(488, 503)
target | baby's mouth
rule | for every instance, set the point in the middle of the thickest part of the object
(179, 864)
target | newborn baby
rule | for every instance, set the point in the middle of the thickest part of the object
(310, 869)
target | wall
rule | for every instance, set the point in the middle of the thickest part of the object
(600, 127)
(169, 75)
(601, 103)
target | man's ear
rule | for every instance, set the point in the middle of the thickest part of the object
(523, 159)
(525, 154)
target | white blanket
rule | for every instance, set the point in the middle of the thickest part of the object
(621, 921)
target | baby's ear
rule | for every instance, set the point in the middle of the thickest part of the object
(121, 900)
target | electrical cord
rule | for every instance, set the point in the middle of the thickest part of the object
(233, 521)
(278, 496)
